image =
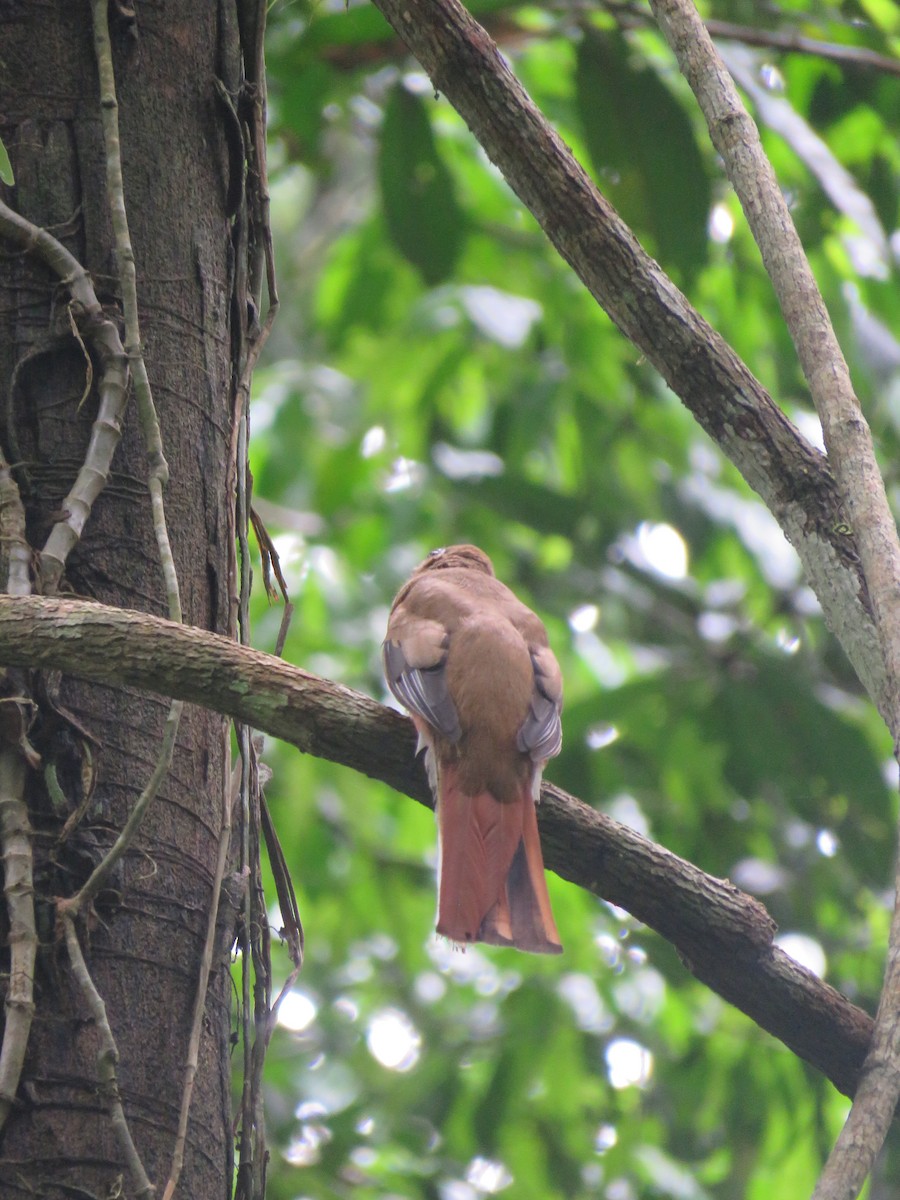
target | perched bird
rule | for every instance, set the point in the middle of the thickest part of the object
(472, 665)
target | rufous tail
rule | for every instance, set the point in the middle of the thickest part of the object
(491, 878)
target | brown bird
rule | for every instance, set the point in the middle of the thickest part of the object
(472, 665)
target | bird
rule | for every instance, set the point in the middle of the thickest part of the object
(473, 666)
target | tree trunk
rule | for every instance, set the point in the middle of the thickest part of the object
(143, 942)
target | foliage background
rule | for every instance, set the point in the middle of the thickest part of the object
(438, 375)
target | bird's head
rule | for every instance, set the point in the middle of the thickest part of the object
(466, 557)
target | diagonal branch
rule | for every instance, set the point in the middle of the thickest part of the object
(852, 454)
(723, 935)
(790, 476)
(107, 1061)
(848, 440)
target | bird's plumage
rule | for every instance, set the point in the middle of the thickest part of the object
(472, 665)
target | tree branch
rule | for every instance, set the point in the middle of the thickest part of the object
(790, 476)
(18, 888)
(786, 41)
(852, 454)
(723, 936)
(848, 440)
(107, 1061)
(112, 388)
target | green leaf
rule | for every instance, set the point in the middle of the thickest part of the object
(302, 96)
(359, 26)
(6, 171)
(643, 149)
(519, 499)
(423, 218)
(781, 738)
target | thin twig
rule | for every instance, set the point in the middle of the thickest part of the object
(631, 16)
(13, 536)
(261, 947)
(292, 925)
(102, 336)
(263, 227)
(167, 559)
(251, 1142)
(107, 1060)
(791, 42)
(255, 244)
(247, 1139)
(851, 454)
(18, 888)
(16, 850)
(158, 467)
(206, 962)
(86, 894)
(247, 1147)
(776, 112)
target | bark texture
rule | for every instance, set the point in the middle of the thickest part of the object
(792, 478)
(724, 936)
(102, 741)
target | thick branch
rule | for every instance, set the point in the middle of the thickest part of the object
(733, 407)
(723, 935)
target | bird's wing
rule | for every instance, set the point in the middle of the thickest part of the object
(415, 655)
(541, 733)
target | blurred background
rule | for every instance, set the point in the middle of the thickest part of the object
(438, 375)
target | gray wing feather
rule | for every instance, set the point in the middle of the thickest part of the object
(422, 690)
(541, 732)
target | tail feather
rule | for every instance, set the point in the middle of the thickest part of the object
(491, 881)
(533, 927)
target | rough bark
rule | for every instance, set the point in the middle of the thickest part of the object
(724, 936)
(143, 951)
